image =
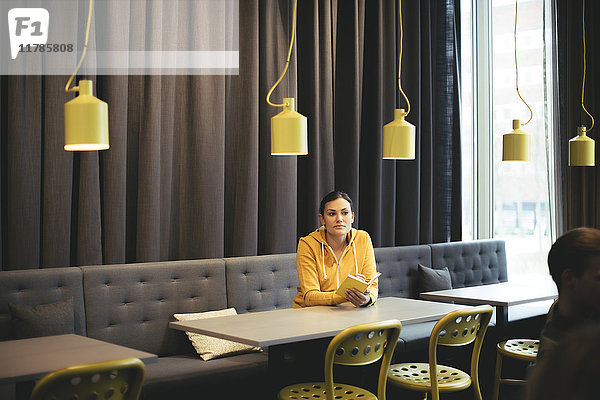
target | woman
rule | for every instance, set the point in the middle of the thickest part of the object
(332, 252)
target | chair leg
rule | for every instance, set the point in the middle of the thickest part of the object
(476, 389)
(497, 376)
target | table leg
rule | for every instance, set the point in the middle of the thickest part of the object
(501, 320)
(276, 369)
(23, 390)
(297, 362)
(276, 354)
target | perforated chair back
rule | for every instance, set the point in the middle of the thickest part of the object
(362, 345)
(460, 328)
(114, 380)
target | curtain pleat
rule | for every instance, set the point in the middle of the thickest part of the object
(315, 51)
(578, 188)
(241, 141)
(189, 173)
(23, 173)
(89, 222)
(57, 178)
(114, 177)
(277, 175)
(347, 106)
(379, 85)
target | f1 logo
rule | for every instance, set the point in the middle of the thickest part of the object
(27, 26)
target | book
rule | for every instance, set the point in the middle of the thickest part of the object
(352, 281)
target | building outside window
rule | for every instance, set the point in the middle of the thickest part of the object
(512, 201)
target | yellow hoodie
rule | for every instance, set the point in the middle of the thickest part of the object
(320, 273)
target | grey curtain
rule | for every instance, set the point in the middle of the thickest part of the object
(189, 173)
(578, 188)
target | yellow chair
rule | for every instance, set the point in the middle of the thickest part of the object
(114, 380)
(457, 328)
(518, 349)
(357, 345)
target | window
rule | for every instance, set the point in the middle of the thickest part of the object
(507, 200)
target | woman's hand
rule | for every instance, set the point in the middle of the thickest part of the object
(357, 298)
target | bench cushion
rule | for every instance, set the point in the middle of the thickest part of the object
(187, 376)
(415, 337)
(41, 286)
(42, 320)
(209, 347)
(132, 304)
(433, 279)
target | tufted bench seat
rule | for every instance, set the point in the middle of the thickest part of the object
(261, 283)
(472, 263)
(41, 286)
(132, 304)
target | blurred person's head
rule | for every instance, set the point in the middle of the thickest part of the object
(569, 372)
(574, 263)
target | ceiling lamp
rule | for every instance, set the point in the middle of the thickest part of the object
(289, 132)
(581, 147)
(399, 135)
(516, 145)
(86, 117)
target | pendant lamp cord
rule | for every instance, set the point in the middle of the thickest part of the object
(85, 45)
(584, 65)
(287, 63)
(517, 66)
(400, 57)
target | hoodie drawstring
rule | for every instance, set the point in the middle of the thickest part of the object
(323, 265)
(355, 261)
(323, 258)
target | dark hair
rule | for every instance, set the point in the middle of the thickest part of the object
(336, 194)
(571, 251)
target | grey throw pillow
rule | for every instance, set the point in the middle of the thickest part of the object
(433, 279)
(42, 320)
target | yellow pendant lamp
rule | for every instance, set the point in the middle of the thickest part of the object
(86, 117)
(399, 135)
(582, 147)
(86, 121)
(289, 132)
(581, 150)
(399, 138)
(516, 145)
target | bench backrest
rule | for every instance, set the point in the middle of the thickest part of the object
(398, 267)
(471, 263)
(40, 286)
(259, 283)
(132, 304)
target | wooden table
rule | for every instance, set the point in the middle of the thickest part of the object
(500, 295)
(283, 326)
(25, 360)
(277, 329)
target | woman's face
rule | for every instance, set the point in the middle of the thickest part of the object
(338, 217)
